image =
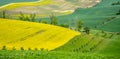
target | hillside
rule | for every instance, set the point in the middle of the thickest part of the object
(95, 36)
(17, 34)
(43, 8)
(99, 43)
(96, 16)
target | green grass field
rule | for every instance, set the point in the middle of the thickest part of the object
(51, 55)
(96, 15)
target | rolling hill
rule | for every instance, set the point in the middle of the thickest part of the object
(30, 40)
(17, 34)
(95, 16)
(43, 8)
(99, 43)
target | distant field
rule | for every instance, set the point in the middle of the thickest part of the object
(96, 15)
(4, 2)
(34, 35)
(45, 7)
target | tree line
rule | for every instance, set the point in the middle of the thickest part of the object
(53, 21)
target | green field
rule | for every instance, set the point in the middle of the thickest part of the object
(95, 16)
(52, 55)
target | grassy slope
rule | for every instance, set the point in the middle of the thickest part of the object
(74, 49)
(95, 43)
(95, 15)
(32, 35)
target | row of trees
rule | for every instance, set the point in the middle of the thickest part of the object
(3, 14)
(21, 48)
(53, 21)
(79, 24)
(31, 17)
(118, 13)
(116, 3)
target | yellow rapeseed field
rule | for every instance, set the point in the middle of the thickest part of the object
(19, 4)
(17, 34)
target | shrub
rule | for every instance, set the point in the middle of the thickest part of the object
(29, 48)
(13, 48)
(65, 25)
(4, 48)
(87, 30)
(36, 49)
(22, 48)
(54, 20)
(79, 25)
(42, 49)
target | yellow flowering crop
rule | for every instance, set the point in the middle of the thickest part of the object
(17, 34)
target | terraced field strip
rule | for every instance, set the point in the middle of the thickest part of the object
(84, 43)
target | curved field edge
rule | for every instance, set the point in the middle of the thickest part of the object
(17, 34)
(14, 5)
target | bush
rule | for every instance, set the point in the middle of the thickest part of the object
(64, 25)
(4, 48)
(87, 30)
(36, 49)
(22, 48)
(13, 48)
(42, 49)
(29, 48)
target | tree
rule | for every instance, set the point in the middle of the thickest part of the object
(87, 30)
(118, 13)
(22, 17)
(53, 20)
(3, 14)
(79, 25)
(116, 3)
(32, 17)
